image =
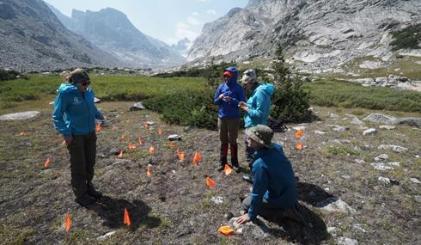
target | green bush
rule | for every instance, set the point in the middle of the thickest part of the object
(408, 38)
(186, 108)
(8, 75)
(290, 101)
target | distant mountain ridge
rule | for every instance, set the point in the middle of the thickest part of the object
(319, 35)
(111, 30)
(33, 39)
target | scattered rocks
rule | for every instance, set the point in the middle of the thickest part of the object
(332, 231)
(395, 148)
(106, 236)
(357, 121)
(383, 180)
(388, 127)
(174, 137)
(319, 132)
(346, 241)
(385, 166)
(19, 116)
(415, 180)
(370, 131)
(335, 205)
(417, 198)
(411, 121)
(338, 128)
(217, 200)
(359, 161)
(137, 106)
(381, 118)
(228, 215)
(381, 157)
(256, 231)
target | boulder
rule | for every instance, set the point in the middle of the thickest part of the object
(19, 116)
(370, 131)
(137, 106)
(381, 119)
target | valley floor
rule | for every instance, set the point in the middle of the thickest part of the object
(341, 195)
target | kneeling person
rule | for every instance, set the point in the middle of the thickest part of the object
(274, 184)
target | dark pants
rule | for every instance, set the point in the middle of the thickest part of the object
(228, 134)
(82, 151)
(249, 154)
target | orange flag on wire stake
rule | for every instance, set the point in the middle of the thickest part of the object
(210, 182)
(140, 140)
(149, 170)
(299, 146)
(67, 222)
(152, 150)
(120, 155)
(226, 230)
(197, 157)
(126, 218)
(227, 169)
(98, 127)
(160, 131)
(132, 146)
(47, 162)
(299, 133)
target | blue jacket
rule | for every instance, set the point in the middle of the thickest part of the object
(274, 181)
(74, 113)
(235, 91)
(259, 104)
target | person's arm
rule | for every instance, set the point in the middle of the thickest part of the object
(260, 186)
(260, 106)
(217, 99)
(60, 106)
(98, 114)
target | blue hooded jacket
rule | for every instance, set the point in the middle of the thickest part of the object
(274, 180)
(74, 112)
(259, 104)
(235, 91)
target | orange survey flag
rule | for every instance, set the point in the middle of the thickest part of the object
(149, 170)
(67, 222)
(47, 162)
(160, 131)
(197, 157)
(226, 230)
(126, 218)
(180, 155)
(140, 140)
(227, 169)
(120, 155)
(299, 133)
(132, 146)
(98, 127)
(151, 150)
(299, 146)
(210, 182)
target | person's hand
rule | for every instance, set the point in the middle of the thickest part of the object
(243, 219)
(243, 106)
(68, 140)
(221, 96)
(226, 98)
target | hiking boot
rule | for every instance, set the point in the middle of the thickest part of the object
(248, 178)
(85, 200)
(92, 192)
(236, 168)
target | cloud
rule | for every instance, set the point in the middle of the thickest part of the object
(211, 12)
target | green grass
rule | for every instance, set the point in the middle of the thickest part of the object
(343, 94)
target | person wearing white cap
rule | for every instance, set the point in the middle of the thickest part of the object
(257, 107)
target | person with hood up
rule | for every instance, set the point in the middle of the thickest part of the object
(228, 95)
(257, 108)
(74, 118)
(274, 186)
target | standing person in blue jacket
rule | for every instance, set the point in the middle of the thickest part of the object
(257, 108)
(74, 118)
(227, 97)
(274, 187)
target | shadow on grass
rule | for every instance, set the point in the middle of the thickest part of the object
(302, 225)
(111, 211)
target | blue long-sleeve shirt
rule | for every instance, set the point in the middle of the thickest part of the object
(259, 104)
(74, 112)
(235, 91)
(273, 180)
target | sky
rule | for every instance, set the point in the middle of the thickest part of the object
(167, 20)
